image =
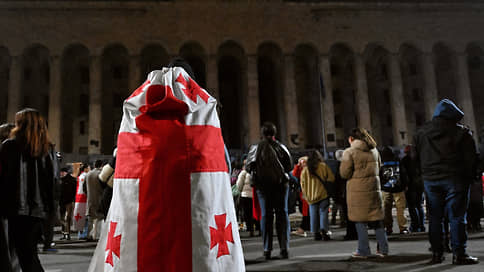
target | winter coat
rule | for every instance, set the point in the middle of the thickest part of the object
(445, 149)
(281, 165)
(312, 188)
(94, 193)
(68, 189)
(27, 182)
(243, 184)
(361, 166)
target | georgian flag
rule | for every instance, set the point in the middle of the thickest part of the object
(79, 216)
(172, 207)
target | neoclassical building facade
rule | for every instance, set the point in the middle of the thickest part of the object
(314, 68)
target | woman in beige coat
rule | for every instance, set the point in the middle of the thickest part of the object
(361, 165)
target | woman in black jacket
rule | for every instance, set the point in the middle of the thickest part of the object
(27, 180)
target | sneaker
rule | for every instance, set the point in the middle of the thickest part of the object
(318, 236)
(356, 255)
(326, 235)
(464, 259)
(300, 232)
(404, 231)
(381, 254)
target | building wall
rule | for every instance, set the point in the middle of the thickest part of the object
(116, 35)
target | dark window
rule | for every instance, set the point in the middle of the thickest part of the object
(474, 63)
(389, 120)
(416, 94)
(118, 72)
(84, 72)
(383, 71)
(330, 137)
(412, 69)
(82, 127)
(84, 104)
(27, 73)
(419, 119)
(386, 96)
(338, 121)
(337, 96)
(334, 70)
(117, 100)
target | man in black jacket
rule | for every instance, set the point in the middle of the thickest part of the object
(272, 165)
(446, 156)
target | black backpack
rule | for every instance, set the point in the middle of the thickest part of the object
(268, 168)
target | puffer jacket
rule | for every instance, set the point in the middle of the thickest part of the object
(361, 166)
(312, 188)
(243, 184)
(27, 182)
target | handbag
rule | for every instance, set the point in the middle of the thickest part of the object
(329, 186)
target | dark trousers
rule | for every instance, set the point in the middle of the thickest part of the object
(274, 201)
(449, 196)
(26, 231)
(415, 209)
(246, 205)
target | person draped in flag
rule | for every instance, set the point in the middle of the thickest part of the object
(79, 218)
(172, 207)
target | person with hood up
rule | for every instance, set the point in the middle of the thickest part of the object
(446, 156)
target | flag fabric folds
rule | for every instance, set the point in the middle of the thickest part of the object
(79, 215)
(172, 207)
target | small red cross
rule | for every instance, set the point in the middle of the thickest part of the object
(114, 243)
(221, 235)
(192, 89)
(78, 216)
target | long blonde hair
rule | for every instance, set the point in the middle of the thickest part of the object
(364, 135)
(31, 130)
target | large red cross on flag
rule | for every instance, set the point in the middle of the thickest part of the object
(172, 201)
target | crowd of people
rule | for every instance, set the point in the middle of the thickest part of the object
(363, 182)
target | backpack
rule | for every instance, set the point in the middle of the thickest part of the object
(390, 174)
(268, 168)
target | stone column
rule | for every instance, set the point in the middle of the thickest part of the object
(134, 74)
(14, 88)
(362, 100)
(397, 101)
(430, 91)
(328, 106)
(464, 94)
(290, 100)
(212, 77)
(253, 110)
(95, 104)
(55, 103)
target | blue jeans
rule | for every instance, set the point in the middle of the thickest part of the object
(451, 197)
(318, 213)
(274, 201)
(364, 244)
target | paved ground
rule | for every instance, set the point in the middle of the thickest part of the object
(407, 253)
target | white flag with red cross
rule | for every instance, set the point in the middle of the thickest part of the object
(79, 215)
(172, 207)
